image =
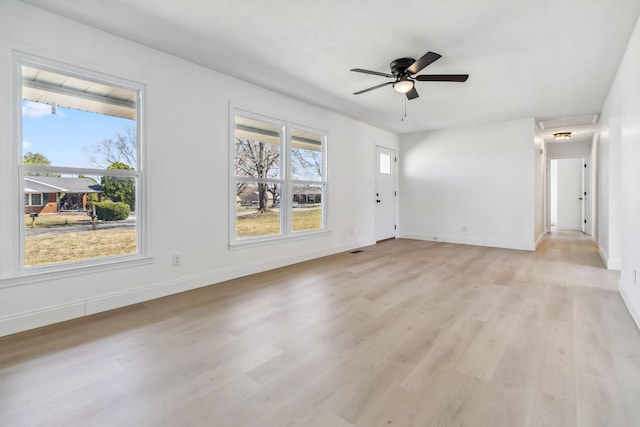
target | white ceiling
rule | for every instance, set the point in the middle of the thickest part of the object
(551, 59)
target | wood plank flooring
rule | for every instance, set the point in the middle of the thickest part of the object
(405, 333)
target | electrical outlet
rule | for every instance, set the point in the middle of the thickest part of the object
(176, 260)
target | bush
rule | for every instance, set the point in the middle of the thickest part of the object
(112, 211)
(92, 199)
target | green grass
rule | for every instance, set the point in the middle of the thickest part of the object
(65, 246)
(307, 219)
(268, 223)
(78, 245)
(258, 224)
(88, 244)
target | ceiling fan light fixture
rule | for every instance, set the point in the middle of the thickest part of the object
(562, 135)
(403, 85)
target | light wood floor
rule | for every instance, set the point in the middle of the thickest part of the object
(405, 333)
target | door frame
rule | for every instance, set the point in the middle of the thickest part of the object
(376, 167)
(588, 187)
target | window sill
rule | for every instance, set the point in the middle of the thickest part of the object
(61, 271)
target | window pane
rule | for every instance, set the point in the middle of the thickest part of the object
(257, 148)
(385, 163)
(64, 230)
(307, 207)
(72, 122)
(306, 155)
(257, 209)
(36, 199)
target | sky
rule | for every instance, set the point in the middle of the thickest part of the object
(67, 137)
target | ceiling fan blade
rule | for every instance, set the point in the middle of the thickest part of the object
(375, 73)
(372, 88)
(442, 77)
(426, 59)
(412, 94)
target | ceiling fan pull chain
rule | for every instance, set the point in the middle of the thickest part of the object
(404, 109)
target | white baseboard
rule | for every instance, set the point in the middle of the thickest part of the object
(611, 264)
(47, 316)
(492, 243)
(539, 240)
(632, 304)
(603, 256)
(35, 319)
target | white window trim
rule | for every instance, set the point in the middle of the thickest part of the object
(286, 204)
(65, 269)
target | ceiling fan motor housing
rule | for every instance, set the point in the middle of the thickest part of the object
(399, 66)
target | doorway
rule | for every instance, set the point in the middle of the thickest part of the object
(385, 193)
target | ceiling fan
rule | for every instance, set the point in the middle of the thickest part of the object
(403, 72)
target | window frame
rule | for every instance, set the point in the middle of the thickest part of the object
(321, 183)
(63, 268)
(287, 182)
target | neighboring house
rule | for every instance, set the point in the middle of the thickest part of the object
(308, 196)
(250, 196)
(49, 194)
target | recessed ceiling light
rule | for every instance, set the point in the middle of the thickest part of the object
(562, 135)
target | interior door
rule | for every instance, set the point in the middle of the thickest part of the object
(570, 203)
(385, 193)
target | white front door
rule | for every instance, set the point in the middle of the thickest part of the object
(385, 193)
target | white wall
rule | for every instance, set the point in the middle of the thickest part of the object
(479, 179)
(619, 174)
(187, 124)
(561, 150)
(540, 161)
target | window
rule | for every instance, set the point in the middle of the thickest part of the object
(80, 145)
(33, 199)
(385, 163)
(278, 179)
(307, 173)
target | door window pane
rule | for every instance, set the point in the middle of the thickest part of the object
(385, 163)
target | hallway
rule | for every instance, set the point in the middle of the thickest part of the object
(574, 248)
